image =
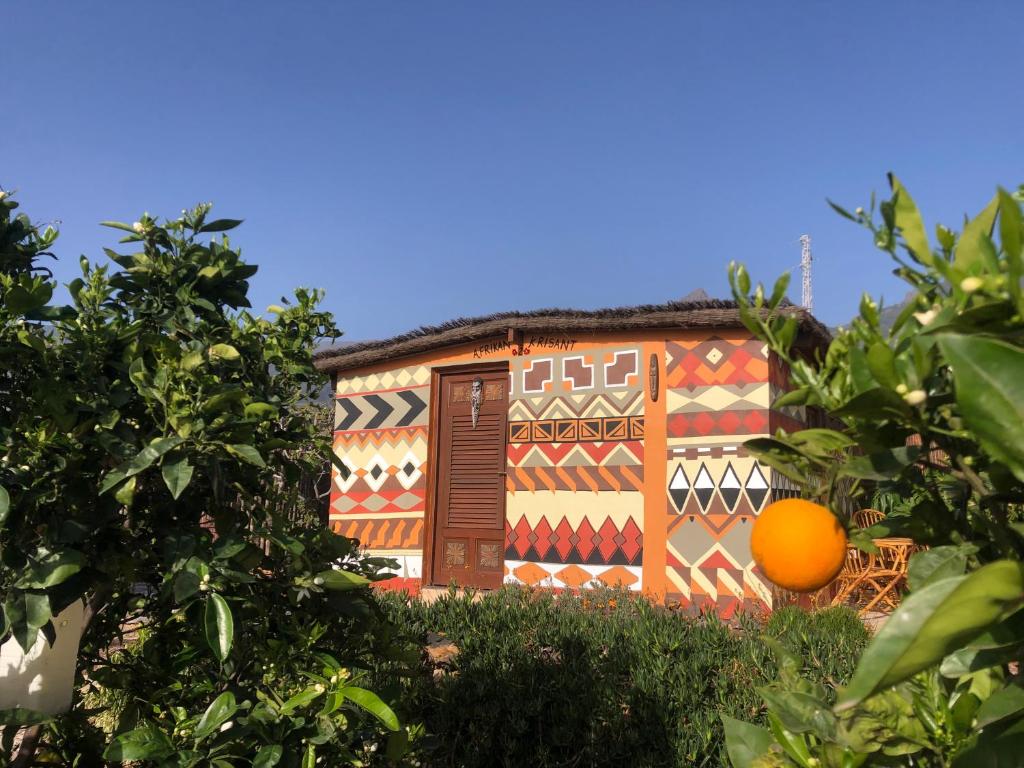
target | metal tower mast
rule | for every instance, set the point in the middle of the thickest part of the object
(805, 269)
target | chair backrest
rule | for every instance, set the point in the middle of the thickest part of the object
(856, 562)
(865, 518)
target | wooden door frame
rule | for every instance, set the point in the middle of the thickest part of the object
(433, 454)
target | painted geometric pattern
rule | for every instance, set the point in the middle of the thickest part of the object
(694, 489)
(585, 370)
(383, 533)
(712, 502)
(576, 430)
(707, 423)
(378, 493)
(610, 544)
(413, 376)
(573, 576)
(715, 360)
(382, 410)
(395, 461)
(706, 451)
(574, 406)
(577, 479)
(754, 395)
(626, 453)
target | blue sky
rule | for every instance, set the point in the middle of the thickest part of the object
(422, 161)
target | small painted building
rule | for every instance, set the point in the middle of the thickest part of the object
(562, 448)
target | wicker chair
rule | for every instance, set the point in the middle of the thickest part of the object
(865, 518)
(850, 578)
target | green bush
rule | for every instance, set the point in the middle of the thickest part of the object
(927, 417)
(153, 438)
(599, 679)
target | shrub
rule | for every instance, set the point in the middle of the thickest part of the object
(152, 434)
(930, 412)
(600, 678)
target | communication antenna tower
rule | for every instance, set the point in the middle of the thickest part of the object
(807, 298)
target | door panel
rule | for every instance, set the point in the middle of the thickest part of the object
(470, 503)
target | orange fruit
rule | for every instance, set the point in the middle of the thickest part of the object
(799, 545)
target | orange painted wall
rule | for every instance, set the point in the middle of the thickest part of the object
(580, 509)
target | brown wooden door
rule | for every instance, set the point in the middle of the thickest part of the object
(469, 535)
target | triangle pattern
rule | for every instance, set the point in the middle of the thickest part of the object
(679, 487)
(756, 486)
(703, 486)
(729, 486)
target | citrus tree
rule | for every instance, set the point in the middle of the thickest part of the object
(148, 434)
(930, 412)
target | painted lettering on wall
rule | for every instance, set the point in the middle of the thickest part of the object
(530, 343)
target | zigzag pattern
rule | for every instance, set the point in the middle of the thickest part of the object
(603, 478)
(379, 437)
(718, 398)
(606, 404)
(607, 545)
(413, 376)
(382, 502)
(627, 453)
(387, 533)
(382, 410)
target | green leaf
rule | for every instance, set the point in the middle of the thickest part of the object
(220, 225)
(970, 249)
(969, 660)
(220, 626)
(1010, 224)
(126, 493)
(1000, 705)
(5, 504)
(247, 454)
(268, 756)
(874, 404)
(880, 465)
(223, 352)
(141, 461)
(48, 569)
(118, 225)
(908, 219)
(220, 711)
(260, 411)
(145, 743)
(820, 441)
(186, 584)
(340, 581)
(191, 360)
(745, 742)
(177, 475)
(19, 717)
(938, 563)
(309, 757)
(397, 745)
(882, 364)
(801, 712)
(841, 211)
(932, 623)
(996, 747)
(300, 699)
(778, 455)
(987, 374)
(373, 704)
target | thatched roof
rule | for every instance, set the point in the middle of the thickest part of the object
(704, 313)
